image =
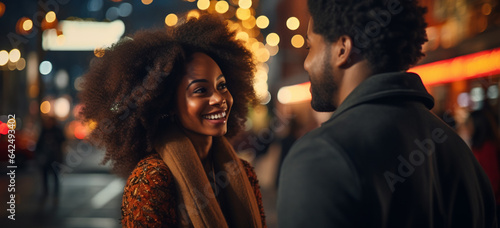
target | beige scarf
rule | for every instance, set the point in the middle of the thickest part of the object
(198, 206)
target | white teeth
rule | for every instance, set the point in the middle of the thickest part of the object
(215, 116)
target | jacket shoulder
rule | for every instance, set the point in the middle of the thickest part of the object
(149, 195)
(319, 186)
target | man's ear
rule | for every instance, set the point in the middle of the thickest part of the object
(343, 51)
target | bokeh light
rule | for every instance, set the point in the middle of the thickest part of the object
(221, 7)
(125, 9)
(262, 55)
(146, 2)
(297, 41)
(99, 52)
(21, 64)
(193, 13)
(27, 24)
(61, 79)
(62, 107)
(50, 16)
(2, 9)
(292, 23)
(4, 57)
(249, 23)
(242, 36)
(273, 39)
(262, 22)
(78, 84)
(243, 14)
(45, 67)
(273, 50)
(171, 19)
(14, 55)
(94, 5)
(203, 4)
(245, 4)
(34, 90)
(45, 107)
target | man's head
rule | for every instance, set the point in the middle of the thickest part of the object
(385, 35)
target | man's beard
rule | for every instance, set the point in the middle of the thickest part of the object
(324, 88)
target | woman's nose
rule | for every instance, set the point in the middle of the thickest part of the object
(217, 98)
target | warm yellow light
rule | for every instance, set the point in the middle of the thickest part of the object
(60, 39)
(50, 16)
(232, 26)
(193, 13)
(27, 25)
(21, 64)
(14, 55)
(2, 9)
(294, 93)
(243, 14)
(256, 46)
(261, 76)
(33, 91)
(242, 36)
(45, 107)
(486, 9)
(273, 50)
(203, 4)
(171, 19)
(292, 23)
(146, 2)
(262, 22)
(262, 55)
(466, 67)
(4, 57)
(92, 124)
(245, 4)
(273, 39)
(99, 52)
(62, 107)
(460, 68)
(261, 89)
(249, 23)
(263, 67)
(221, 7)
(191, 0)
(297, 41)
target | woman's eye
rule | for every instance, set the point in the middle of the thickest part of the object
(222, 86)
(200, 90)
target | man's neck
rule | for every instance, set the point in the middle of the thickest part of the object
(353, 76)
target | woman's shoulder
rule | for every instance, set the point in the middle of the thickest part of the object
(249, 171)
(149, 195)
(151, 167)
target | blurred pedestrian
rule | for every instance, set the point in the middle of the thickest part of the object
(382, 159)
(165, 101)
(485, 146)
(48, 151)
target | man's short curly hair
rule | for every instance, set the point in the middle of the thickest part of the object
(131, 88)
(389, 33)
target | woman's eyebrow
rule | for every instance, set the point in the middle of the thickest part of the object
(195, 81)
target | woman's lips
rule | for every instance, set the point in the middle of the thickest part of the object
(216, 118)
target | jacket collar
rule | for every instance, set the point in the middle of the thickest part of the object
(401, 85)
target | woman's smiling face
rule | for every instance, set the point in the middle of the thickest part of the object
(203, 100)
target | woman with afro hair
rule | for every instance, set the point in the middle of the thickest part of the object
(164, 102)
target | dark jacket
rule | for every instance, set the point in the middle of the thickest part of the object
(384, 160)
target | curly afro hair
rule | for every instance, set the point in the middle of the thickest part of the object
(388, 33)
(129, 90)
